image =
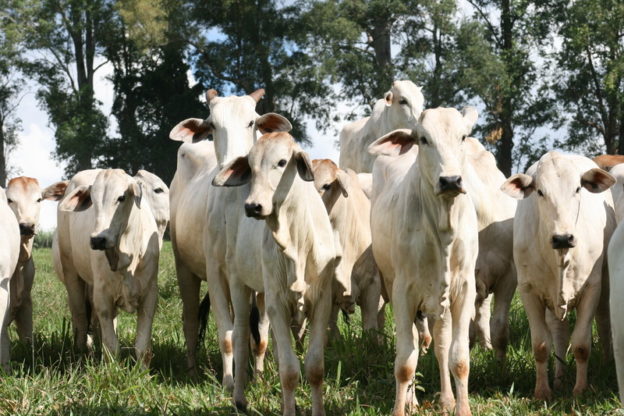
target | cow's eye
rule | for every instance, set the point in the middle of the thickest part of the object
(281, 163)
(423, 140)
(251, 123)
(540, 193)
(158, 191)
(403, 101)
(326, 186)
(464, 138)
(40, 199)
(578, 189)
(9, 200)
(121, 198)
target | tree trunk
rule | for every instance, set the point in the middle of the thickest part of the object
(3, 167)
(505, 149)
(382, 42)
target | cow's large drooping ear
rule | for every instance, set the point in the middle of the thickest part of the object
(388, 97)
(55, 192)
(518, 186)
(597, 180)
(270, 122)
(78, 199)
(394, 143)
(257, 94)
(304, 166)
(191, 130)
(344, 181)
(137, 190)
(470, 115)
(235, 173)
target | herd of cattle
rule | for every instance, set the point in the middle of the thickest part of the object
(417, 215)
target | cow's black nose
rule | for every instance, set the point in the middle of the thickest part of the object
(450, 183)
(253, 209)
(27, 229)
(560, 241)
(98, 243)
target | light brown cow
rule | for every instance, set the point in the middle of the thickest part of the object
(349, 212)
(608, 161)
(24, 197)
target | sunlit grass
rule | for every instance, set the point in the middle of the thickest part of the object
(49, 379)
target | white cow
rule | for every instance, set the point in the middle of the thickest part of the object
(24, 197)
(9, 254)
(112, 218)
(425, 242)
(615, 259)
(349, 212)
(205, 219)
(400, 108)
(300, 253)
(561, 230)
(157, 193)
(617, 191)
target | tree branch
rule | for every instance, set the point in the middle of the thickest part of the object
(487, 21)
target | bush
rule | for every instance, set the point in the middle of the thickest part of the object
(43, 239)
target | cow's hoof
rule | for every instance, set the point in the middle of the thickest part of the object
(543, 393)
(241, 405)
(579, 389)
(447, 404)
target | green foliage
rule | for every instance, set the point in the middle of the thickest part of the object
(50, 379)
(43, 239)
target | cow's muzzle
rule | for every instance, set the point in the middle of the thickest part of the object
(451, 184)
(562, 241)
(98, 243)
(27, 229)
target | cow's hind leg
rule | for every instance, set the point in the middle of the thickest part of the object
(76, 291)
(581, 335)
(241, 301)
(314, 362)
(540, 341)
(23, 317)
(561, 336)
(189, 291)
(263, 332)
(5, 316)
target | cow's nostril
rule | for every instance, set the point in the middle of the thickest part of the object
(258, 208)
(560, 241)
(98, 243)
(253, 209)
(450, 183)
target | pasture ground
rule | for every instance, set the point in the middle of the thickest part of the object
(49, 379)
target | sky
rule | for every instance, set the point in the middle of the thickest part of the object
(34, 154)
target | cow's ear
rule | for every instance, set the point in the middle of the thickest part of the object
(55, 192)
(597, 180)
(235, 173)
(136, 189)
(388, 97)
(518, 186)
(470, 115)
(344, 181)
(394, 143)
(304, 166)
(257, 94)
(191, 130)
(78, 199)
(270, 122)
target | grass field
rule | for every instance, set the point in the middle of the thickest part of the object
(49, 379)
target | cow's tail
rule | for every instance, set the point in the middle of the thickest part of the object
(202, 315)
(254, 323)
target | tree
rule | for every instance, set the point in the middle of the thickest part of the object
(499, 69)
(591, 59)
(10, 85)
(63, 38)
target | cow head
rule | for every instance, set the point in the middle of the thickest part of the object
(157, 194)
(405, 103)
(233, 123)
(272, 165)
(112, 197)
(557, 183)
(330, 181)
(25, 196)
(440, 137)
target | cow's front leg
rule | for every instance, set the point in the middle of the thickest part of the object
(499, 324)
(314, 362)
(77, 299)
(104, 308)
(540, 341)
(241, 301)
(23, 317)
(560, 334)
(279, 314)
(462, 310)
(5, 317)
(263, 331)
(147, 309)
(406, 349)
(581, 335)
(442, 336)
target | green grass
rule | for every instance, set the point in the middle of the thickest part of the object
(49, 379)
